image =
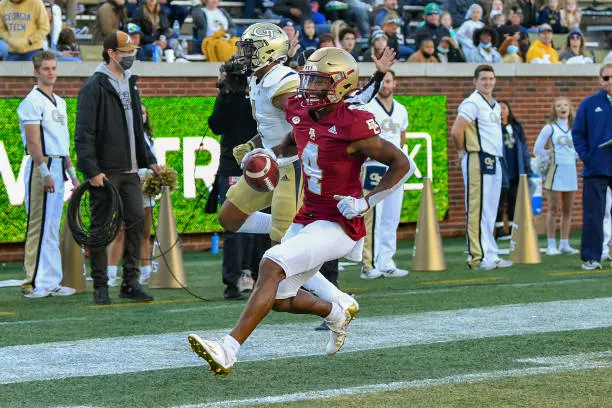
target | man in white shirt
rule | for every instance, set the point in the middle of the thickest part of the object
(478, 137)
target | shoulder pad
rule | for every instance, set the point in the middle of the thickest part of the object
(277, 74)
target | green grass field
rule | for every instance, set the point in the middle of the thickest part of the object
(527, 336)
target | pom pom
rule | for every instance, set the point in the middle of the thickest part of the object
(153, 183)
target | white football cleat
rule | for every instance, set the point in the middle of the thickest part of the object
(395, 273)
(591, 265)
(213, 353)
(62, 291)
(568, 250)
(371, 274)
(503, 263)
(37, 293)
(337, 329)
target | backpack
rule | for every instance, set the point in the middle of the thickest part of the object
(219, 47)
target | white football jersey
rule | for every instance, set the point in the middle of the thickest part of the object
(563, 145)
(484, 133)
(39, 109)
(271, 122)
(392, 123)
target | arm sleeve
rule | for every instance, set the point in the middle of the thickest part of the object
(468, 110)
(580, 130)
(539, 149)
(368, 92)
(85, 132)
(29, 113)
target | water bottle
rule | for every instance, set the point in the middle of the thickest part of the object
(176, 28)
(156, 53)
(214, 244)
(536, 198)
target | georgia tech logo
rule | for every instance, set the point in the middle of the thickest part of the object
(489, 162)
(264, 32)
(565, 141)
(58, 117)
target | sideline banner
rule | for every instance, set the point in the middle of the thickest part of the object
(183, 141)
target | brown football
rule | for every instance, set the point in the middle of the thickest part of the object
(261, 172)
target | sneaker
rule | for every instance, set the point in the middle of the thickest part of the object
(371, 274)
(486, 266)
(62, 291)
(213, 353)
(144, 278)
(568, 250)
(100, 297)
(337, 333)
(112, 281)
(246, 282)
(232, 293)
(552, 251)
(503, 263)
(322, 326)
(591, 265)
(135, 292)
(395, 273)
(37, 293)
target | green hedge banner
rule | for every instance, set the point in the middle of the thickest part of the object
(184, 142)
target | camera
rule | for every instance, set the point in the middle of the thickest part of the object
(235, 79)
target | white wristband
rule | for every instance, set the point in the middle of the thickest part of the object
(72, 173)
(44, 170)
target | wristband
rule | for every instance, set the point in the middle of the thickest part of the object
(251, 144)
(72, 173)
(44, 170)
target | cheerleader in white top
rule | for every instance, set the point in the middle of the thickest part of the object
(561, 181)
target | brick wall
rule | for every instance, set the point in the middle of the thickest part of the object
(530, 98)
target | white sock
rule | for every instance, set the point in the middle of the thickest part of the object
(321, 287)
(111, 271)
(145, 270)
(257, 223)
(232, 346)
(564, 243)
(335, 314)
(552, 243)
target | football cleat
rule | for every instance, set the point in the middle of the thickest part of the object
(337, 329)
(213, 353)
(395, 273)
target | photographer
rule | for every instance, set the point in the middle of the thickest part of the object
(232, 102)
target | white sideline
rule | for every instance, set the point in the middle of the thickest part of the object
(109, 356)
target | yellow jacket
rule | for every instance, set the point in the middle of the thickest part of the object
(23, 26)
(538, 49)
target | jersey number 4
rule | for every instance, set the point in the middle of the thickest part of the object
(310, 154)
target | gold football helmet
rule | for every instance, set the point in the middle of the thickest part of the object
(328, 76)
(262, 44)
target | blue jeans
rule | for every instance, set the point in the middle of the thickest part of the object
(22, 57)
(3, 50)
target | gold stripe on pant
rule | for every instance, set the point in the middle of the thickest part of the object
(474, 213)
(35, 229)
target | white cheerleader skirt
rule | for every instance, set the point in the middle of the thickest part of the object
(148, 201)
(562, 177)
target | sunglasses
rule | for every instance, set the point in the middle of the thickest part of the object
(606, 78)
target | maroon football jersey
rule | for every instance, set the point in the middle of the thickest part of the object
(326, 167)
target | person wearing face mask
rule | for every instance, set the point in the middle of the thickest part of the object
(510, 50)
(483, 51)
(110, 146)
(448, 51)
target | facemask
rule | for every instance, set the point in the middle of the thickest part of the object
(126, 62)
(513, 49)
(485, 46)
(442, 50)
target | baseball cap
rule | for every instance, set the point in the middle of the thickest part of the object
(120, 41)
(574, 32)
(286, 23)
(379, 34)
(133, 28)
(544, 27)
(432, 8)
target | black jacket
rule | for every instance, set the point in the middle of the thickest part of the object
(148, 35)
(233, 132)
(429, 30)
(102, 140)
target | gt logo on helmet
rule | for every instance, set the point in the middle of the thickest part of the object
(264, 32)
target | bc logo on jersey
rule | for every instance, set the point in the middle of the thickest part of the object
(311, 134)
(373, 126)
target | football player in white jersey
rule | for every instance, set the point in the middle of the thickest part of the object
(382, 221)
(44, 132)
(479, 141)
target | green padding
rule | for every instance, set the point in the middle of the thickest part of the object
(187, 117)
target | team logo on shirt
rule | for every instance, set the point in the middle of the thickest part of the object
(311, 134)
(494, 117)
(565, 141)
(332, 130)
(296, 120)
(372, 125)
(57, 116)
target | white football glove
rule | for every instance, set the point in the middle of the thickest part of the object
(351, 207)
(269, 152)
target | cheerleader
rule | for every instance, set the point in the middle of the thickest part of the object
(561, 181)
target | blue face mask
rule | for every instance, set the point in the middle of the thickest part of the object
(442, 50)
(485, 46)
(513, 49)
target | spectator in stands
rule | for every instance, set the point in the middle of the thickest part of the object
(154, 27)
(23, 26)
(458, 9)
(208, 18)
(326, 40)
(432, 27)
(498, 21)
(54, 12)
(347, 41)
(378, 44)
(173, 11)
(593, 127)
(425, 53)
(529, 10)
(515, 18)
(508, 31)
(308, 37)
(131, 6)
(296, 10)
(571, 15)
(388, 5)
(390, 26)
(472, 23)
(68, 47)
(551, 15)
(359, 13)
(484, 50)
(542, 51)
(111, 16)
(497, 7)
(575, 51)
(335, 31)
(510, 50)
(448, 51)
(294, 45)
(133, 31)
(3, 50)
(446, 19)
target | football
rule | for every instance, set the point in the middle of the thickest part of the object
(261, 172)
